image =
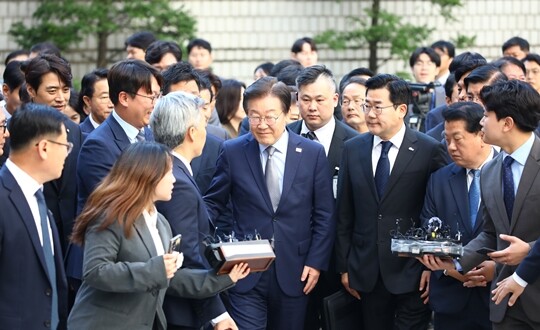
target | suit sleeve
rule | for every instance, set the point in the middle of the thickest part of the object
(322, 217)
(198, 283)
(529, 268)
(345, 213)
(103, 271)
(487, 238)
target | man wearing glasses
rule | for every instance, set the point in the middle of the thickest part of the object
(279, 187)
(134, 87)
(382, 178)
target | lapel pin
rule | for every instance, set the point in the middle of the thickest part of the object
(298, 149)
(411, 148)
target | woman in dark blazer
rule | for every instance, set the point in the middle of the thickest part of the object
(126, 265)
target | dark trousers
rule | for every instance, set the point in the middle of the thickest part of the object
(475, 316)
(328, 284)
(382, 310)
(267, 307)
(516, 319)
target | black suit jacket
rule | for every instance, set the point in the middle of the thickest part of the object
(342, 133)
(25, 299)
(529, 268)
(365, 221)
(61, 194)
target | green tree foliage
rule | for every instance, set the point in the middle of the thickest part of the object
(68, 22)
(380, 30)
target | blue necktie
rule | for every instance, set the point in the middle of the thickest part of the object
(508, 186)
(49, 257)
(474, 196)
(382, 172)
(141, 137)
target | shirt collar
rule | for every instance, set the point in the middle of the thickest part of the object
(6, 113)
(280, 145)
(396, 140)
(184, 161)
(95, 123)
(129, 129)
(151, 219)
(28, 185)
(521, 154)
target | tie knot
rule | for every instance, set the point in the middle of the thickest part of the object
(508, 160)
(385, 147)
(475, 173)
(141, 137)
(270, 151)
(310, 135)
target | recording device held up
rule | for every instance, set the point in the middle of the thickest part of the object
(422, 100)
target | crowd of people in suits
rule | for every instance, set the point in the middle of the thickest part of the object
(319, 169)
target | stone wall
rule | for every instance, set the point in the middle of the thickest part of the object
(245, 33)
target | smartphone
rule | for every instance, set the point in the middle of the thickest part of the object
(485, 250)
(174, 243)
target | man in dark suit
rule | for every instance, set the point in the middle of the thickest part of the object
(509, 185)
(178, 122)
(94, 99)
(382, 178)
(279, 187)
(453, 195)
(134, 88)
(48, 81)
(32, 281)
(317, 98)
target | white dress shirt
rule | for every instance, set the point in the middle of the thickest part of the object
(151, 223)
(396, 140)
(324, 134)
(130, 130)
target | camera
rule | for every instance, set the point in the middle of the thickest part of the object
(422, 100)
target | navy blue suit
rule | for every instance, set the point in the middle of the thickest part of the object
(98, 154)
(204, 166)
(25, 289)
(435, 117)
(301, 226)
(447, 199)
(529, 268)
(187, 215)
(86, 126)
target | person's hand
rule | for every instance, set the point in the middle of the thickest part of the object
(312, 276)
(424, 284)
(435, 263)
(345, 282)
(480, 275)
(169, 260)
(513, 254)
(239, 271)
(504, 287)
(227, 324)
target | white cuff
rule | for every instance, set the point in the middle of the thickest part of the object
(220, 318)
(519, 280)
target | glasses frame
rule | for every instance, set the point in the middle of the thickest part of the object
(69, 145)
(377, 110)
(355, 101)
(153, 99)
(259, 120)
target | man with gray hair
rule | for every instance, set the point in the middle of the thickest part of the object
(178, 123)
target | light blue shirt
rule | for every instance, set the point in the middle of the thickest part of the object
(129, 129)
(520, 156)
(279, 156)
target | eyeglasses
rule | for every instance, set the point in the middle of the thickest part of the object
(376, 109)
(69, 145)
(153, 98)
(347, 102)
(4, 125)
(269, 120)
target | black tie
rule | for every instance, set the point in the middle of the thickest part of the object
(310, 135)
(508, 186)
(382, 171)
(49, 257)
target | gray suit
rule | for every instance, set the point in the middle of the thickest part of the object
(125, 281)
(524, 225)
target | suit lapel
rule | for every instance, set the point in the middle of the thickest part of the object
(144, 234)
(292, 161)
(493, 184)
(405, 155)
(163, 232)
(253, 159)
(458, 185)
(178, 163)
(530, 172)
(120, 137)
(364, 150)
(21, 205)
